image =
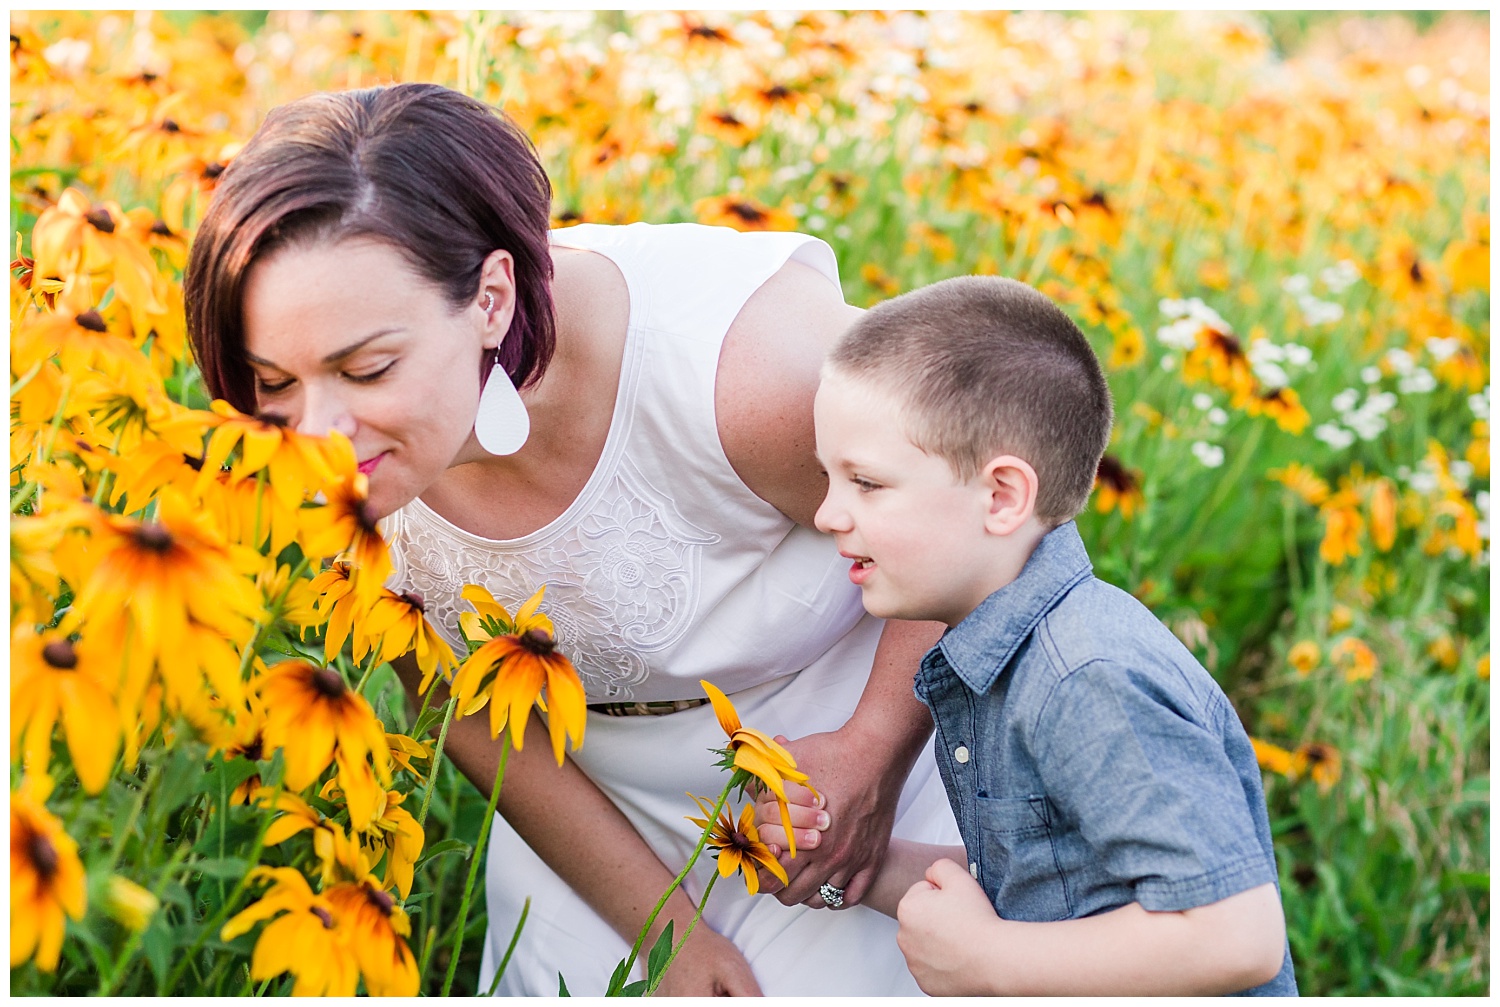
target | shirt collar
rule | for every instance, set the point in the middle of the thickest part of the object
(980, 647)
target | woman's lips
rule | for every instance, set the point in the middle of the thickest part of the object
(368, 465)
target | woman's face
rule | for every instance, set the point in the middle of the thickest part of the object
(348, 337)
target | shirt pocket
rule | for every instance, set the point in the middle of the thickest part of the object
(1018, 864)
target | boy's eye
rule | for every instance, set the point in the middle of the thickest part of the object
(864, 485)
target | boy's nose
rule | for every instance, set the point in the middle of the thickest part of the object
(830, 518)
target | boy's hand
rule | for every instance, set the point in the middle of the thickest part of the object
(942, 919)
(807, 814)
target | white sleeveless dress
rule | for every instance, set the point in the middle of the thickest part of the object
(665, 570)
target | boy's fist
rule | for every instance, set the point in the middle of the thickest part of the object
(941, 917)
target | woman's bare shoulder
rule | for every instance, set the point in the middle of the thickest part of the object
(767, 377)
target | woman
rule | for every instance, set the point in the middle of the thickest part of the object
(371, 262)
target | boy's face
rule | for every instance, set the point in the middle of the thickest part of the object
(915, 533)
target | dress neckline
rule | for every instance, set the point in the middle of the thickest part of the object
(613, 441)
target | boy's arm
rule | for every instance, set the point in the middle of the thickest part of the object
(956, 945)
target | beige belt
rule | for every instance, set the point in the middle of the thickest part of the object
(657, 709)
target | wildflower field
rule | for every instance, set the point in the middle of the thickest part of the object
(1280, 251)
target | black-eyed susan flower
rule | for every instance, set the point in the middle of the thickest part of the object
(1304, 656)
(398, 834)
(405, 751)
(742, 214)
(377, 929)
(1116, 486)
(315, 718)
(346, 524)
(46, 878)
(510, 671)
(756, 754)
(1383, 503)
(1304, 483)
(297, 465)
(303, 937)
(738, 847)
(52, 679)
(336, 603)
(1281, 404)
(298, 816)
(396, 624)
(129, 904)
(1342, 529)
(1354, 658)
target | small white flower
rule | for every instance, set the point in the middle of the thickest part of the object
(1418, 382)
(1172, 307)
(1442, 349)
(1265, 350)
(1479, 404)
(1169, 363)
(1208, 316)
(1461, 471)
(1370, 375)
(1482, 502)
(1296, 284)
(1423, 481)
(1297, 355)
(1320, 312)
(1218, 417)
(1211, 455)
(1333, 435)
(1203, 401)
(1340, 277)
(1366, 426)
(1180, 335)
(1271, 374)
(1401, 362)
(1381, 403)
(1345, 400)
(843, 232)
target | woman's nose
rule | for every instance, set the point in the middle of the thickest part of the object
(323, 415)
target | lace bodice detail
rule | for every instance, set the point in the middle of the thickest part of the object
(666, 568)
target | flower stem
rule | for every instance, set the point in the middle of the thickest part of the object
(640, 939)
(484, 835)
(437, 756)
(702, 902)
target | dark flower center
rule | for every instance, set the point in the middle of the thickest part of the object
(153, 537)
(414, 600)
(380, 900)
(1317, 753)
(253, 751)
(323, 915)
(747, 212)
(101, 219)
(160, 228)
(538, 642)
(213, 170)
(170, 126)
(43, 855)
(739, 841)
(91, 320)
(60, 654)
(329, 683)
(1114, 475)
(366, 516)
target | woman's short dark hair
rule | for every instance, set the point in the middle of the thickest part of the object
(440, 177)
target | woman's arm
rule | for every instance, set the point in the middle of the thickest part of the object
(767, 377)
(581, 835)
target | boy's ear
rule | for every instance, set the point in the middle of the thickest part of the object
(1012, 486)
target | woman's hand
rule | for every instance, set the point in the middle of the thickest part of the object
(709, 965)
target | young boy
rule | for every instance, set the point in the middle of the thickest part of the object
(1115, 832)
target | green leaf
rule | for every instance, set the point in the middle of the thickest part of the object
(180, 779)
(562, 986)
(158, 942)
(226, 867)
(661, 951)
(635, 989)
(446, 846)
(617, 981)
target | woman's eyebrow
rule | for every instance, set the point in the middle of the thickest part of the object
(333, 357)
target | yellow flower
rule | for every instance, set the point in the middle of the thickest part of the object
(1321, 762)
(346, 524)
(1383, 514)
(315, 718)
(738, 847)
(1283, 406)
(129, 903)
(1117, 486)
(1355, 658)
(396, 624)
(742, 214)
(337, 603)
(404, 750)
(46, 878)
(1444, 651)
(1342, 527)
(376, 929)
(510, 670)
(402, 838)
(299, 816)
(305, 937)
(52, 679)
(1304, 656)
(1273, 758)
(758, 755)
(1483, 668)
(1340, 618)
(297, 465)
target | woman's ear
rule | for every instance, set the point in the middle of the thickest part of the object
(496, 298)
(1012, 487)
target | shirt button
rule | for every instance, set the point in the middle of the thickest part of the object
(961, 754)
(974, 870)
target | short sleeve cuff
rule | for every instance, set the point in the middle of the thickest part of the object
(1159, 895)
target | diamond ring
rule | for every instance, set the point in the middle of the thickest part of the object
(832, 895)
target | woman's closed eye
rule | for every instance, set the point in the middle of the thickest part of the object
(264, 387)
(369, 376)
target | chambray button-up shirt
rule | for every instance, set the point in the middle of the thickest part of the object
(1090, 760)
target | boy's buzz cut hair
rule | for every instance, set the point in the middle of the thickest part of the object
(988, 367)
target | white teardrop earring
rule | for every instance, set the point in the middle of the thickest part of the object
(502, 423)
